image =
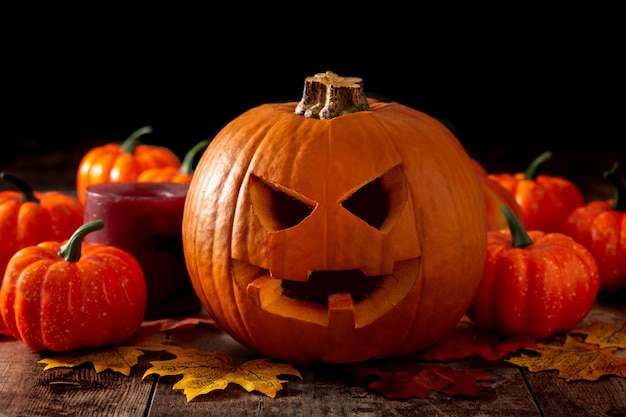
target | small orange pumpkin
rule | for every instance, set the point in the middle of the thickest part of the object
(63, 297)
(600, 226)
(534, 283)
(181, 175)
(28, 217)
(336, 229)
(116, 162)
(546, 200)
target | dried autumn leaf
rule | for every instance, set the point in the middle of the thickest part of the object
(149, 328)
(574, 360)
(404, 378)
(604, 334)
(116, 358)
(468, 340)
(204, 372)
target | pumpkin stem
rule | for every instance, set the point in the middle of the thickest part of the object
(28, 195)
(531, 171)
(519, 236)
(71, 251)
(619, 201)
(327, 95)
(186, 167)
(132, 141)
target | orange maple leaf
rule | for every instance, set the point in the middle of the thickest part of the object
(116, 358)
(404, 378)
(603, 334)
(203, 372)
(573, 360)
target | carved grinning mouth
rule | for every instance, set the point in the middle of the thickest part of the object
(322, 284)
(328, 295)
(319, 286)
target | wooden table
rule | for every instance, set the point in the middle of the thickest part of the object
(324, 390)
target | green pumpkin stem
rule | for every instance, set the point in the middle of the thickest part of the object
(533, 168)
(619, 201)
(28, 195)
(187, 166)
(327, 95)
(519, 236)
(71, 251)
(132, 141)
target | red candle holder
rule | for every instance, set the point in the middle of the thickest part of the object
(145, 219)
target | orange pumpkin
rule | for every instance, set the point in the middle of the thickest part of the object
(600, 226)
(116, 162)
(546, 200)
(534, 283)
(495, 196)
(336, 229)
(64, 296)
(181, 175)
(28, 217)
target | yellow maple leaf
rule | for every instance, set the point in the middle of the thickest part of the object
(604, 334)
(574, 360)
(116, 358)
(204, 372)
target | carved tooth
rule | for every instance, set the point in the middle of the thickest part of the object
(341, 311)
(264, 290)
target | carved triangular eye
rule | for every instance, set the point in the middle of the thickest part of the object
(369, 203)
(278, 207)
(379, 202)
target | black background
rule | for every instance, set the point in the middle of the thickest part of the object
(512, 83)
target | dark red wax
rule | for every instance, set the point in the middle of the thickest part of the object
(145, 219)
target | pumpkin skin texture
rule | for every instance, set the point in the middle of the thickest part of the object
(51, 303)
(546, 200)
(543, 287)
(115, 162)
(339, 282)
(495, 196)
(600, 226)
(28, 217)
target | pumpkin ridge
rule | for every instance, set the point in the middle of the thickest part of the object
(257, 142)
(33, 306)
(249, 142)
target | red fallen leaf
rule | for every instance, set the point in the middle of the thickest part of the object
(182, 323)
(469, 340)
(404, 378)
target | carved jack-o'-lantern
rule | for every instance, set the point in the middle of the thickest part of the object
(336, 229)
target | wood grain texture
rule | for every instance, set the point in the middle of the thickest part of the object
(27, 390)
(324, 390)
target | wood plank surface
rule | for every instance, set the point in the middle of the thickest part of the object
(606, 397)
(325, 389)
(328, 390)
(27, 390)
